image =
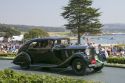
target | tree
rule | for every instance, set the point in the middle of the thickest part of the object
(11, 32)
(35, 33)
(82, 17)
(7, 32)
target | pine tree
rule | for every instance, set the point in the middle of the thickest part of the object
(82, 17)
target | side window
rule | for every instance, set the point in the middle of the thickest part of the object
(57, 42)
(41, 44)
(61, 42)
(64, 42)
(33, 45)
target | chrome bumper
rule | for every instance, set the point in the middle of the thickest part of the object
(96, 65)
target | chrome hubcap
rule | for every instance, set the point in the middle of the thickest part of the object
(78, 66)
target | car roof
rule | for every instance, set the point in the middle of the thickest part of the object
(50, 38)
(77, 47)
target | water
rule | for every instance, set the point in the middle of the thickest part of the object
(105, 39)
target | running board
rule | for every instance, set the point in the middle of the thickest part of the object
(43, 65)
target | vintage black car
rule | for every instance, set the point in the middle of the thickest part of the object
(57, 52)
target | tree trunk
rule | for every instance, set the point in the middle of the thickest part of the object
(79, 36)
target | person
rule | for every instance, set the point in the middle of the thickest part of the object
(114, 50)
(58, 42)
(50, 44)
(106, 53)
(109, 51)
(103, 53)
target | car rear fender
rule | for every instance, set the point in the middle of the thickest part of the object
(68, 61)
(21, 58)
(81, 56)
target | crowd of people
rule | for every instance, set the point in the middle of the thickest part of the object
(113, 50)
(109, 51)
(11, 47)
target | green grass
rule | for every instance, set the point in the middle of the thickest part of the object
(7, 58)
(115, 65)
(10, 76)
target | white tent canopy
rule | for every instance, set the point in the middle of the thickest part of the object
(1, 38)
(14, 38)
(17, 38)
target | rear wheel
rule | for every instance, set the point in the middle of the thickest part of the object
(79, 66)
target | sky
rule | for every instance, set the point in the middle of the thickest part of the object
(48, 12)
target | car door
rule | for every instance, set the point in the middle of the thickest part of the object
(37, 51)
(50, 57)
(60, 52)
(41, 52)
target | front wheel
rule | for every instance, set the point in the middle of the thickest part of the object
(79, 66)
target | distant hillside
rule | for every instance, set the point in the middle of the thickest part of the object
(25, 28)
(107, 28)
(48, 29)
(113, 28)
